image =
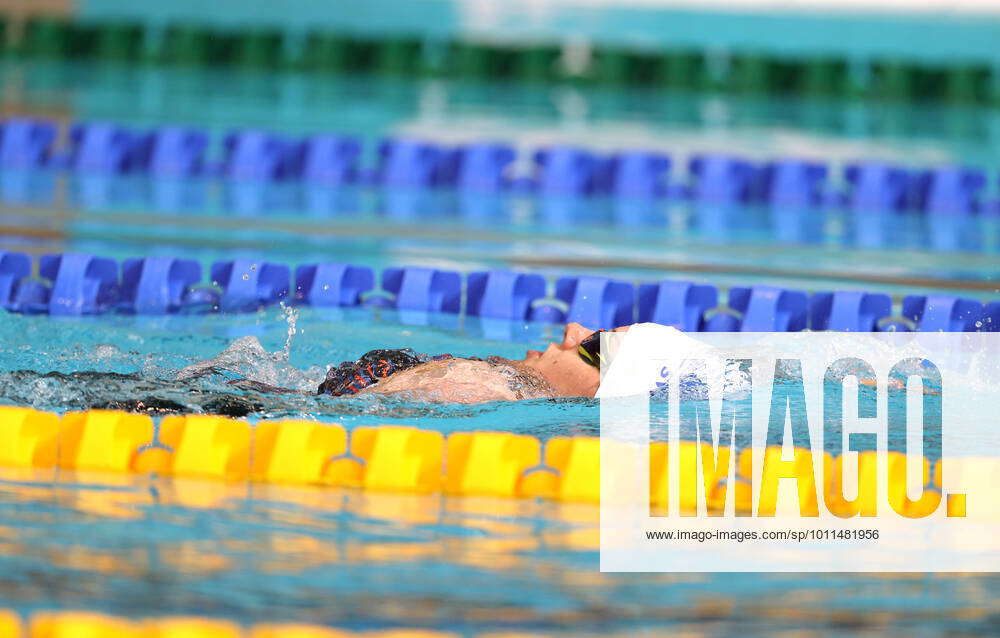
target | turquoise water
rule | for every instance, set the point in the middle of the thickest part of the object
(374, 560)
(364, 560)
(194, 363)
(140, 546)
(121, 361)
(934, 32)
(808, 249)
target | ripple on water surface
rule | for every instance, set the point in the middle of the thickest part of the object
(198, 364)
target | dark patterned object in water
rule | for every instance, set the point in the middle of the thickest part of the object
(351, 377)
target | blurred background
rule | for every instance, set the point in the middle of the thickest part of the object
(813, 145)
(779, 100)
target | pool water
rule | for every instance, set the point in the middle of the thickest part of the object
(362, 560)
(370, 560)
(140, 546)
(121, 361)
(820, 249)
(823, 249)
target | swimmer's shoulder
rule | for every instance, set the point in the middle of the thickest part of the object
(449, 380)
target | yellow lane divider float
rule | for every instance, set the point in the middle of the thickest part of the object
(84, 624)
(398, 458)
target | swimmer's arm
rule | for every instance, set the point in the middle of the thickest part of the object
(451, 380)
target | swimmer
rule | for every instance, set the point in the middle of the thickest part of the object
(570, 368)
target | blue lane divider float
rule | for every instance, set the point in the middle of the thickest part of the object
(479, 168)
(721, 179)
(26, 143)
(848, 311)
(566, 171)
(991, 317)
(409, 164)
(547, 312)
(249, 285)
(31, 297)
(953, 190)
(13, 268)
(256, 155)
(101, 147)
(724, 320)
(328, 160)
(486, 167)
(933, 313)
(332, 284)
(502, 294)
(75, 284)
(793, 183)
(597, 302)
(173, 152)
(876, 186)
(680, 304)
(81, 284)
(424, 289)
(157, 285)
(637, 175)
(770, 309)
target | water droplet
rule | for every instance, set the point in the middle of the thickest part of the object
(246, 276)
(106, 350)
(253, 266)
(979, 324)
(326, 287)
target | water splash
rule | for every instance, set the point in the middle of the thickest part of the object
(291, 317)
(247, 358)
(210, 364)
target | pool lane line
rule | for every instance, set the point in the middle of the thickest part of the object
(427, 231)
(907, 281)
(304, 452)
(33, 232)
(925, 282)
(428, 228)
(99, 624)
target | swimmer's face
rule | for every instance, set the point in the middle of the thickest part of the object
(562, 366)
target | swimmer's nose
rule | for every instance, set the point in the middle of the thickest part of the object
(573, 334)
